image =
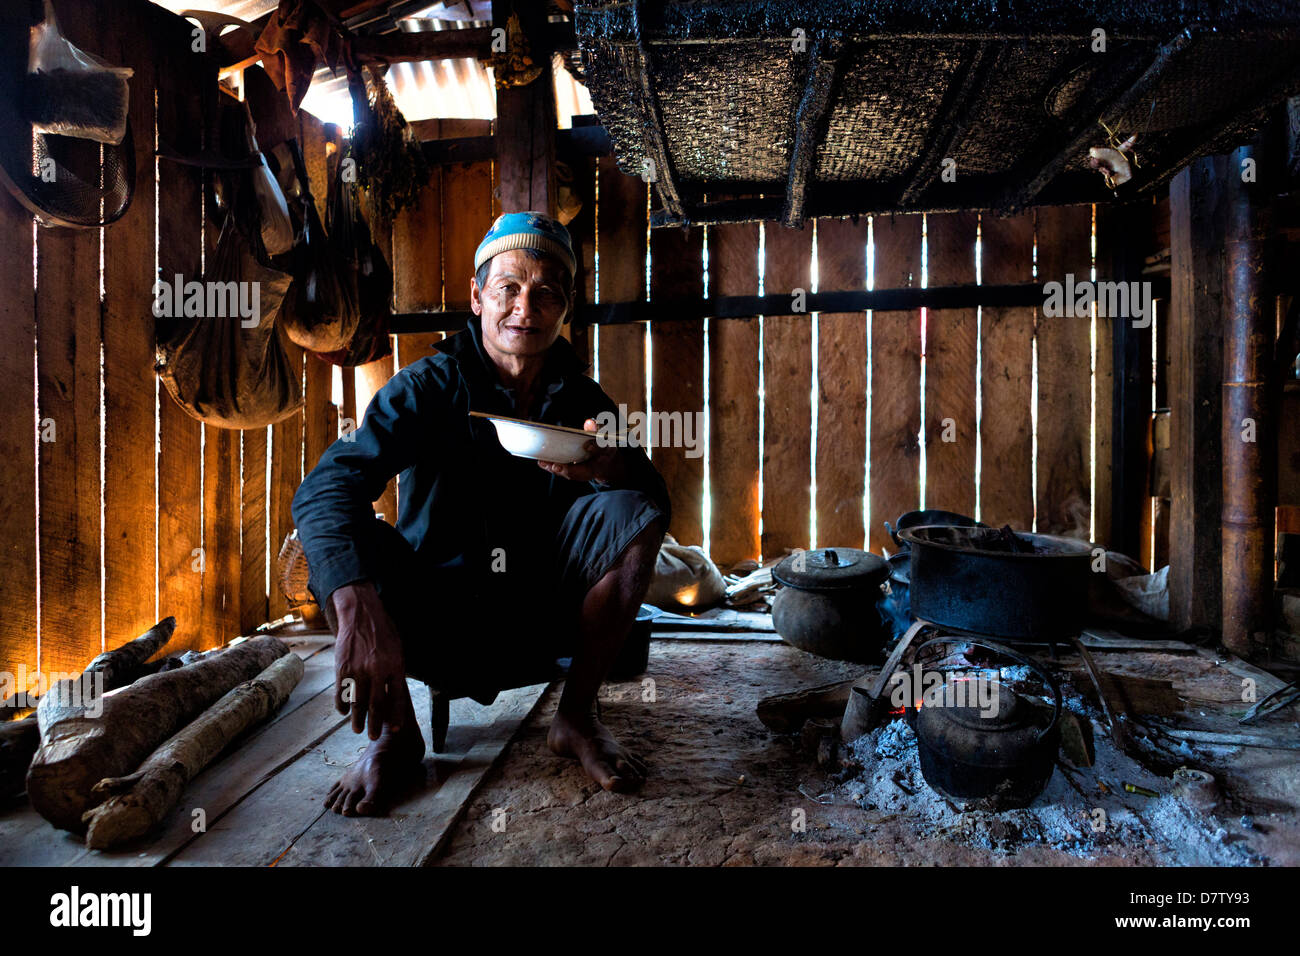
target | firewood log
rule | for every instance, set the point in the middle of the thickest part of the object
(117, 668)
(138, 802)
(80, 750)
(123, 665)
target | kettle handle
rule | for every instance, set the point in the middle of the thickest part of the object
(1015, 656)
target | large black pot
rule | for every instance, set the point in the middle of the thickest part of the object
(962, 578)
(827, 602)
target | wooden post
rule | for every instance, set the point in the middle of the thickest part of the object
(1197, 223)
(525, 129)
(1249, 445)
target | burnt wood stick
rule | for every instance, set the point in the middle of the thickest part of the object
(138, 802)
(110, 736)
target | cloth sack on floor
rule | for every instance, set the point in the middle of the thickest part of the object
(684, 577)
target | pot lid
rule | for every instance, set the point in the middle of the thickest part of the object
(831, 569)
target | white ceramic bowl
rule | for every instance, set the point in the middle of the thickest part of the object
(555, 443)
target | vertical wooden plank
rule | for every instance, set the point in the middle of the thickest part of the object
(787, 387)
(1197, 226)
(253, 608)
(360, 389)
(621, 238)
(417, 266)
(321, 419)
(18, 635)
(219, 604)
(1064, 378)
(320, 415)
(950, 368)
(286, 476)
(733, 399)
(1006, 375)
(841, 388)
(467, 214)
(895, 454)
(67, 314)
(1103, 400)
(130, 521)
(180, 504)
(677, 378)
(67, 361)
(582, 230)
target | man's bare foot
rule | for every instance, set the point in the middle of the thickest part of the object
(604, 758)
(389, 763)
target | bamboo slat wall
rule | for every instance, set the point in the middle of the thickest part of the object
(118, 507)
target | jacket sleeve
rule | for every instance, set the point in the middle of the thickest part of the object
(641, 474)
(334, 502)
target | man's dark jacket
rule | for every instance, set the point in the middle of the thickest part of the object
(460, 494)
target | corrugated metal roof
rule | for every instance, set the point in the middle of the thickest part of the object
(440, 89)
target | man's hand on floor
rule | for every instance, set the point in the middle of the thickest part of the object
(368, 659)
(605, 464)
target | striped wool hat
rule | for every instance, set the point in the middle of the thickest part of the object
(526, 230)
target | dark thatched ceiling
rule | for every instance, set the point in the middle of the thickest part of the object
(853, 106)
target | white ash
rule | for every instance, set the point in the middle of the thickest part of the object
(884, 779)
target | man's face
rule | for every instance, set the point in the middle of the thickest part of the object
(522, 304)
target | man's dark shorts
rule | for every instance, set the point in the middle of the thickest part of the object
(473, 632)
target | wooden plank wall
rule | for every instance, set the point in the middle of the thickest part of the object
(1017, 412)
(131, 510)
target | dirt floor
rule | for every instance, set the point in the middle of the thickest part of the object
(724, 790)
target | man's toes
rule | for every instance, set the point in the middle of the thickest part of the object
(329, 797)
(350, 802)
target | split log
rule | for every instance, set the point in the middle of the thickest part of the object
(112, 737)
(138, 802)
(117, 668)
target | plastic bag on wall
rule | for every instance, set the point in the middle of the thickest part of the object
(70, 92)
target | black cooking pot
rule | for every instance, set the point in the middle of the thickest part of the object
(1032, 587)
(1001, 755)
(827, 604)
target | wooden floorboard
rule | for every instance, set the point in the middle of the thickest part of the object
(415, 832)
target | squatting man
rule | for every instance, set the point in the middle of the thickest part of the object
(498, 565)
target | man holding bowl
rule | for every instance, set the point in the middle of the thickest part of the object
(498, 565)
